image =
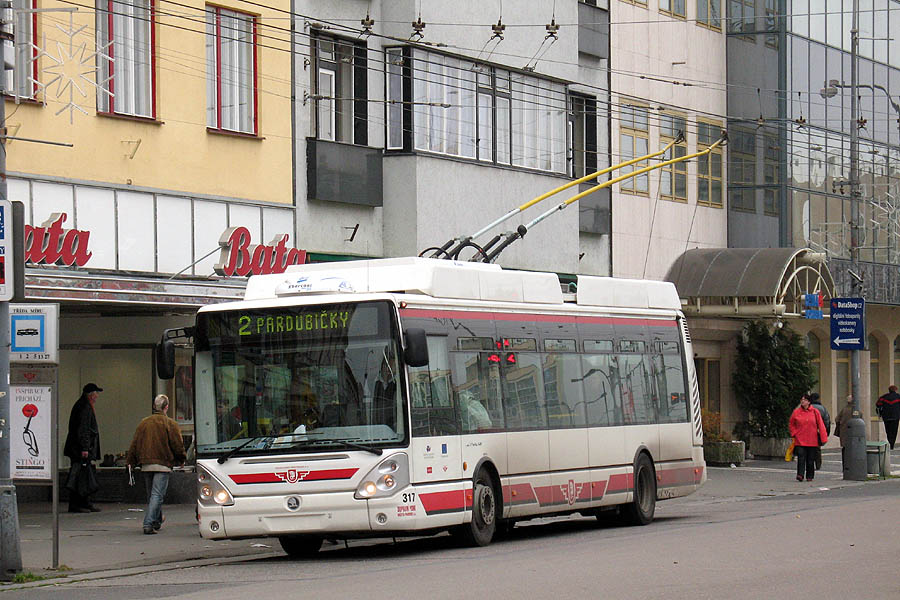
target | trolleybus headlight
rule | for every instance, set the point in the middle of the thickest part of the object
(210, 491)
(388, 476)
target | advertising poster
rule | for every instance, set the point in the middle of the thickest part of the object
(29, 432)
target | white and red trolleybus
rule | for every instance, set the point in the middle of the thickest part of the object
(413, 395)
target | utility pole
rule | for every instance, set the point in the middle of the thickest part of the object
(10, 554)
(855, 456)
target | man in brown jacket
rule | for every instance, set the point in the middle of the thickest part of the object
(157, 447)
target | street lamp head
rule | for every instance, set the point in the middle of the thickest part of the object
(828, 92)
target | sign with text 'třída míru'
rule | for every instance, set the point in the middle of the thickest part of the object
(848, 324)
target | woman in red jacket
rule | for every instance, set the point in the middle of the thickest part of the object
(808, 430)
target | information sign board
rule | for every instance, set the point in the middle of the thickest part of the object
(848, 324)
(34, 333)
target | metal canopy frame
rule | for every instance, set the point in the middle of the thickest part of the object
(747, 282)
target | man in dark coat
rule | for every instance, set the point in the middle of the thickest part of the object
(816, 402)
(83, 441)
(888, 406)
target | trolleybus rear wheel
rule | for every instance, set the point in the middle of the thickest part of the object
(643, 505)
(300, 546)
(485, 510)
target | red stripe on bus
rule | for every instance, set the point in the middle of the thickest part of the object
(680, 476)
(255, 478)
(620, 483)
(498, 316)
(444, 502)
(321, 475)
(518, 493)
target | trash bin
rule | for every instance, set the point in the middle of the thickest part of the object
(876, 459)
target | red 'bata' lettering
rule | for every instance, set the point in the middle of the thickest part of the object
(50, 244)
(239, 257)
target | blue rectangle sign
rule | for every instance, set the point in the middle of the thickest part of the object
(848, 324)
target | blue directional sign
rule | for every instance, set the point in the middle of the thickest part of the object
(848, 324)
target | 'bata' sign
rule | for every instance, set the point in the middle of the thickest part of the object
(239, 257)
(50, 244)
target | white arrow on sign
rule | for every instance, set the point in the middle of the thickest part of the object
(838, 341)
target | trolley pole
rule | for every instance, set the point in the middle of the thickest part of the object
(855, 456)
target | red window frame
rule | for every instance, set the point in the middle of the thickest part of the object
(34, 56)
(112, 65)
(217, 11)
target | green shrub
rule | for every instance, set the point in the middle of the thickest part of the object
(772, 371)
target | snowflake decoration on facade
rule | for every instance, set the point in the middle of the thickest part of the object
(70, 70)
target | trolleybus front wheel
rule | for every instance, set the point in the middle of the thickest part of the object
(485, 512)
(300, 546)
(643, 505)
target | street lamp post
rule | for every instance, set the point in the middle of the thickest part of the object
(855, 454)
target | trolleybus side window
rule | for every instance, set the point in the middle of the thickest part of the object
(603, 402)
(669, 376)
(523, 386)
(476, 381)
(433, 410)
(562, 384)
(633, 374)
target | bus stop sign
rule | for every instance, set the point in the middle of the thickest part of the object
(848, 324)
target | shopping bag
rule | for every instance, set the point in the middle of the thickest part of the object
(789, 455)
(82, 479)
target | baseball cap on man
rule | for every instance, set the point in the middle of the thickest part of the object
(91, 387)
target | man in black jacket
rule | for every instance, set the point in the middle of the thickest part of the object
(888, 406)
(83, 441)
(816, 402)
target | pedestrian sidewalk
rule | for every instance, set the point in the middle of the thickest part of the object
(111, 542)
(113, 539)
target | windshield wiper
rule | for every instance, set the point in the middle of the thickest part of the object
(347, 444)
(236, 449)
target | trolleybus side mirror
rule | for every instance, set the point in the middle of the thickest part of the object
(416, 352)
(165, 359)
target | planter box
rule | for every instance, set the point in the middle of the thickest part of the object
(771, 448)
(723, 453)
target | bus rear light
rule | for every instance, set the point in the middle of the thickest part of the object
(211, 492)
(386, 478)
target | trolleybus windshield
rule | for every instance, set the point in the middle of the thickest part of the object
(298, 379)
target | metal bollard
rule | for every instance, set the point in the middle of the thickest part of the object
(855, 450)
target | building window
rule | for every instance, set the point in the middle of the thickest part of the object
(673, 178)
(741, 19)
(230, 70)
(126, 57)
(633, 142)
(582, 135)
(676, 8)
(709, 14)
(399, 113)
(477, 111)
(340, 90)
(641, 3)
(709, 167)
(21, 81)
(772, 24)
(742, 169)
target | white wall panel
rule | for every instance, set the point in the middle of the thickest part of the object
(19, 190)
(50, 198)
(210, 221)
(246, 216)
(96, 213)
(137, 248)
(173, 234)
(277, 222)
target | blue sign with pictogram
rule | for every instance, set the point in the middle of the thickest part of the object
(848, 324)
